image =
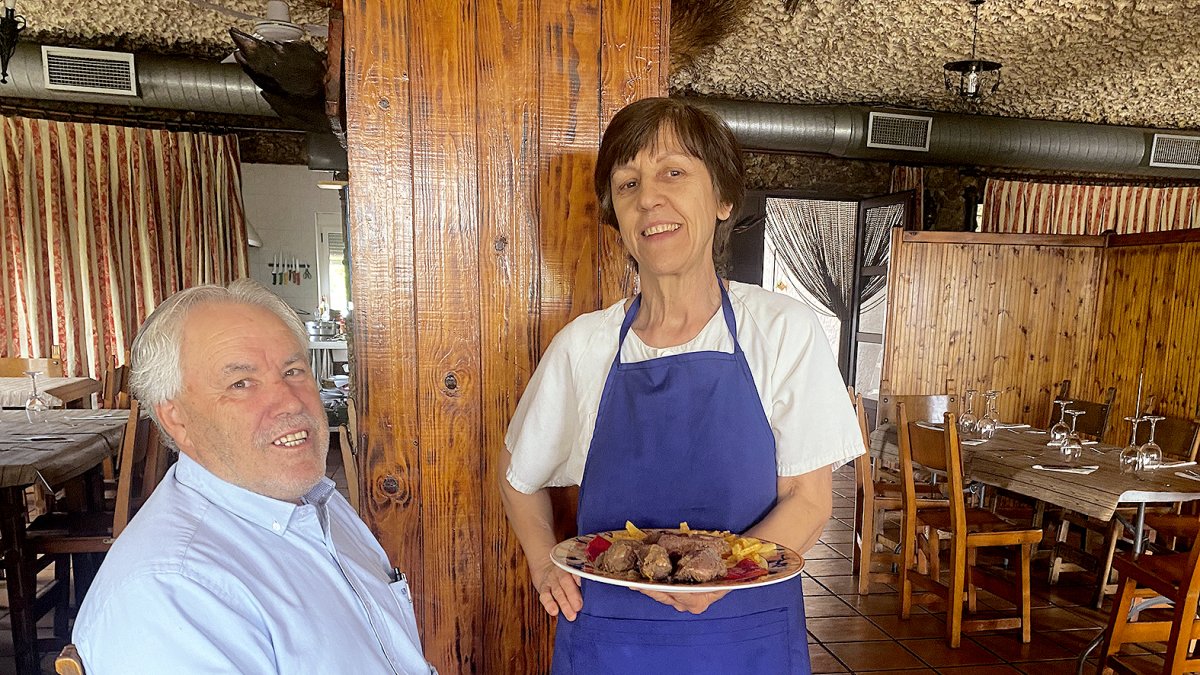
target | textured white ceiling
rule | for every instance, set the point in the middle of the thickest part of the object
(1133, 62)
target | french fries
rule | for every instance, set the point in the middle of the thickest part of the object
(631, 532)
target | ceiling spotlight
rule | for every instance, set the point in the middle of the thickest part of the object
(973, 78)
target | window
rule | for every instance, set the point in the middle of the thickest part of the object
(332, 271)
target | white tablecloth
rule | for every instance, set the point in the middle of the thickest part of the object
(14, 391)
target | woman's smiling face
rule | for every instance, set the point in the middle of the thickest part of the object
(667, 207)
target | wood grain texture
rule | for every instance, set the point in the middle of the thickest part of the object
(1016, 318)
(449, 386)
(1150, 319)
(509, 283)
(382, 283)
(473, 128)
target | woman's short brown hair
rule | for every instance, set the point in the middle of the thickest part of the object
(637, 126)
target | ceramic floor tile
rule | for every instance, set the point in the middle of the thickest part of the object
(826, 605)
(845, 629)
(935, 652)
(828, 568)
(868, 656)
(917, 626)
(824, 662)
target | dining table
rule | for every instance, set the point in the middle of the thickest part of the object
(67, 444)
(1008, 459)
(60, 392)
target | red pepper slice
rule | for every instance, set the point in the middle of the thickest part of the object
(746, 569)
(595, 547)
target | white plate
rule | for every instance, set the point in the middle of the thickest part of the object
(571, 556)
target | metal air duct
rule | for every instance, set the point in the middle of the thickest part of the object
(162, 82)
(954, 139)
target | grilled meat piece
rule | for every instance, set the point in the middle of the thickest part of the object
(682, 544)
(622, 556)
(700, 566)
(656, 563)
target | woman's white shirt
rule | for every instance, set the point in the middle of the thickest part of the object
(794, 371)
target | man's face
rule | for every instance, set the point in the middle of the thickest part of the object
(249, 411)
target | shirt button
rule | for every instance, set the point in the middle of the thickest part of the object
(276, 526)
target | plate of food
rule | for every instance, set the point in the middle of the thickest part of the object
(676, 560)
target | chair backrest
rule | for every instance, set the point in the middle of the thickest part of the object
(115, 393)
(863, 474)
(68, 662)
(1179, 438)
(1094, 420)
(143, 463)
(934, 448)
(11, 366)
(925, 408)
(347, 440)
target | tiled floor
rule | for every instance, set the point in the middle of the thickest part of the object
(851, 633)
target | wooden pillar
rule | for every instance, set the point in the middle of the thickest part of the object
(472, 129)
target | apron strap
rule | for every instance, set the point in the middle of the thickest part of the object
(726, 309)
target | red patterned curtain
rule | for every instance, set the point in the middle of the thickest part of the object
(100, 223)
(1051, 208)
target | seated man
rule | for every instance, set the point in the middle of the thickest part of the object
(245, 559)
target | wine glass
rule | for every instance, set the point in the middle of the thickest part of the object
(1072, 446)
(1152, 453)
(1131, 457)
(36, 405)
(967, 420)
(987, 424)
(1058, 432)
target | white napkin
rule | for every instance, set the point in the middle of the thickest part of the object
(1001, 425)
(930, 425)
(1089, 442)
(1189, 476)
(972, 441)
(1062, 468)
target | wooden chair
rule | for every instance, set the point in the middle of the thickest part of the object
(1094, 421)
(115, 391)
(68, 661)
(1093, 424)
(16, 366)
(969, 529)
(1176, 578)
(1180, 441)
(347, 441)
(72, 540)
(874, 500)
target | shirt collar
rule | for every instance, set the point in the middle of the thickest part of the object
(271, 514)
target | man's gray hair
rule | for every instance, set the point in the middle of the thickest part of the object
(155, 374)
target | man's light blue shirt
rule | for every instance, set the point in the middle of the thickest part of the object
(212, 578)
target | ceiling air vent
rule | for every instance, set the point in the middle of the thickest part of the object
(89, 70)
(1176, 152)
(898, 132)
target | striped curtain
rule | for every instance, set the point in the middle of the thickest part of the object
(1051, 208)
(100, 223)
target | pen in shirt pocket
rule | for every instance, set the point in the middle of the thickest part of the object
(397, 575)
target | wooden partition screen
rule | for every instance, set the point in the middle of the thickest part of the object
(1150, 321)
(1021, 313)
(472, 131)
(955, 314)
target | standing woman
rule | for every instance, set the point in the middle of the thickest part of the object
(716, 403)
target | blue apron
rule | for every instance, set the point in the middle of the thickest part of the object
(681, 438)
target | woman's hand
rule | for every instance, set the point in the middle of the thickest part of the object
(695, 603)
(558, 591)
